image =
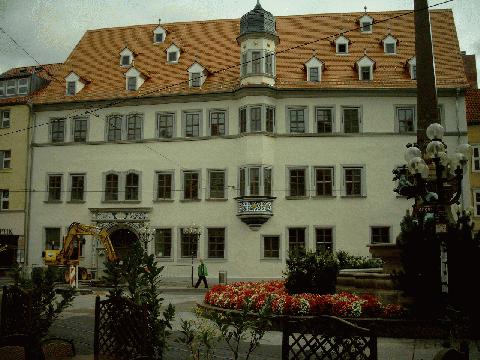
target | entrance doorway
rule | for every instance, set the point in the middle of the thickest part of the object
(122, 241)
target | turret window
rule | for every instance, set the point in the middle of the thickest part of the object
(256, 65)
(257, 62)
(256, 118)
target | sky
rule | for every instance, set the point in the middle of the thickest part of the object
(49, 29)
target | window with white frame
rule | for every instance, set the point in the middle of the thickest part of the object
(296, 239)
(255, 180)
(324, 180)
(324, 120)
(158, 38)
(4, 119)
(257, 62)
(218, 122)
(77, 187)
(163, 243)
(297, 182)
(188, 245)
(216, 243)
(476, 158)
(132, 186)
(269, 64)
(216, 184)
(80, 129)
(134, 126)
(271, 247)
(112, 186)
(366, 26)
(297, 119)
(71, 87)
(324, 240)
(52, 238)
(366, 73)
(351, 119)
(2, 88)
(164, 185)
(196, 78)
(132, 83)
(405, 116)
(54, 187)
(243, 68)
(476, 201)
(57, 130)
(192, 124)
(4, 200)
(173, 56)
(341, 44)
(313, 74)
(414, 72)
(191, 185)
(23, 86)
(114, 127)
(389, 45)
(125, 60)
(165, 125)
(255, 118)
(380, 234)
(5, 159)
(353, 181)
(11, 87)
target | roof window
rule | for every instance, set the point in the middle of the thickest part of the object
(173, 54)
(366, 23)
(365, 66)
(159, 34)
(341, 44)
(390, 45)
(314, 68)
(126, 57)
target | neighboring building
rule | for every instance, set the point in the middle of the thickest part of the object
(472, 99)
(16, 88)
(470, 66)
(234, 125)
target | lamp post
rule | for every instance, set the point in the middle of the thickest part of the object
(144, 236)
(194, 231)
(434, 191)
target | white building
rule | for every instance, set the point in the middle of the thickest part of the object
(267, 133)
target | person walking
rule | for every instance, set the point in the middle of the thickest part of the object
(202, 274)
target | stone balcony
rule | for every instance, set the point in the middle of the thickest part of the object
(255, 210)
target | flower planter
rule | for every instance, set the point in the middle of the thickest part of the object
(388, 328)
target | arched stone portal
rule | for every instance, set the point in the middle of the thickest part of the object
(123, 240)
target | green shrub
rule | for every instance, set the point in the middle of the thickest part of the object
(308, 272)
(348, 261)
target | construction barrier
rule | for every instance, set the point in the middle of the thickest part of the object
(72, 276)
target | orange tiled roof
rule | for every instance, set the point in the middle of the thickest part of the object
(213, 44)
(472, 100)
(42, 71)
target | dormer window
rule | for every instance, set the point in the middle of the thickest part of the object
(366, 24)
(74, 84)
(412, 67)
(134, 78)
(159, 35)
(132, 83)
(126, 57)
(390, 45)
(341, 44)
(173, 54)
(365, 67)
(196, 74)
(314, 69)
(23, 86)
(71, 87)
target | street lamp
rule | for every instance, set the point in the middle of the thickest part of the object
(194, 231)
(434, 192)
(144, 235)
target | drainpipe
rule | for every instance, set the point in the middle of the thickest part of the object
(28, 179)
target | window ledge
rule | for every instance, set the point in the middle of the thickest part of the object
(353, 196)
(163, 200)
(321, 197)
(76, 202)
(7, 170)
(271, 259)
(216, 199)
(132, 201)
(53, 201)
(164, 258)
(190, 200)
(296, 197)
(215, 260)
(121, 201)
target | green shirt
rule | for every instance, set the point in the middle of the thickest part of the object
(202, 270)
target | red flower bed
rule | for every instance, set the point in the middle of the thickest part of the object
(234, 296)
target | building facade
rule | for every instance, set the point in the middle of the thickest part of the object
(267, 133)
(16, 88)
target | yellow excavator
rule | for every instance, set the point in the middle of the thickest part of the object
(66, 256)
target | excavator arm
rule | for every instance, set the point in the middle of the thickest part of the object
(74, 231)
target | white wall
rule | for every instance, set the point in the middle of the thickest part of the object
(378, 148)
